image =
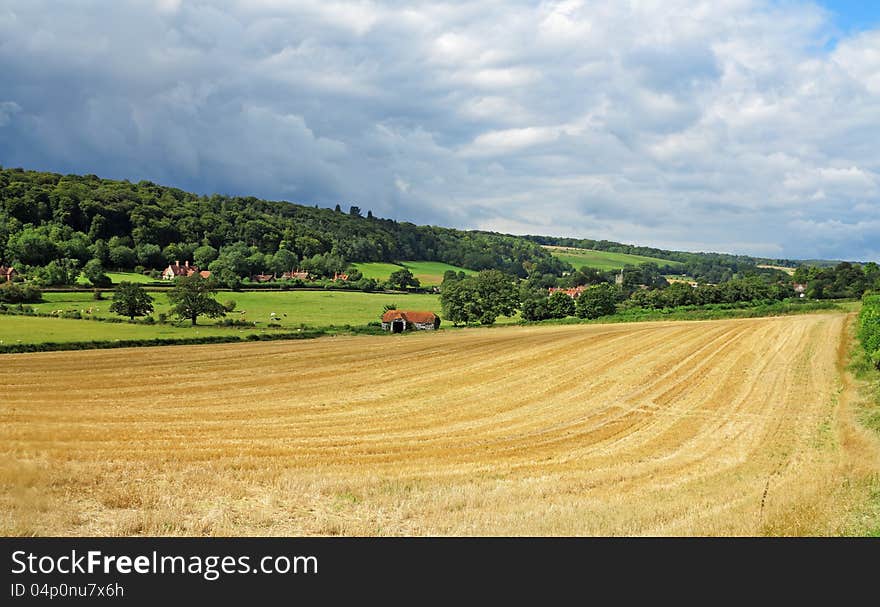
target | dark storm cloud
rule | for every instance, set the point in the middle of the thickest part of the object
(720, 125)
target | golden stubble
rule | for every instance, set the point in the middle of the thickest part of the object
(735, 427)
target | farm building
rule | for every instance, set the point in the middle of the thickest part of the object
(6, 273)
(298, 275)
(573, 293)
(176, 270)
(398, 321)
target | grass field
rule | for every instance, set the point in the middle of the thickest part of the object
(718, 427)
(291, 308)
(118, 277)
(36, 330)
(429, 273)
(604, 260)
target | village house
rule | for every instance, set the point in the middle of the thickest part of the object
(574, 293)
(176, 270)
(295, 275)
(340, 276)
(6, 273)
(398, 321)
(262, 278)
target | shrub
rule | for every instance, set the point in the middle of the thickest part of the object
(12, 292)
(869, 327)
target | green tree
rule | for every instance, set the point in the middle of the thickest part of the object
(123, 257)
(192, 296)
(479, 299)
(130, 299)
(14, 293)
(560, 305)
(150, 255)
(403, 278)
(597, 301)
(32, 246)
(283, 261)
(94, 273)
(535, 308)
(59, 272)
(204, 255)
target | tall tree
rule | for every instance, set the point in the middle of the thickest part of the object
(479, 299)
(403, 278)
(597, 301)
(192, 296)
(94, 272)
(130, 299)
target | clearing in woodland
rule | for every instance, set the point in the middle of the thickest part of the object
(717, 427)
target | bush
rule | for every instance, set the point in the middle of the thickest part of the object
(235, 322)
(11, 292)
(229, 305)
(869, 327)
(597, 301)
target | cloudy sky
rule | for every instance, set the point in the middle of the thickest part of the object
(730, 125)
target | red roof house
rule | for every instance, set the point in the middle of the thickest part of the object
(573, 293)
(176, 270)
(295, 275)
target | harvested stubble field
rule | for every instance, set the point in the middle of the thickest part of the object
(718, 427)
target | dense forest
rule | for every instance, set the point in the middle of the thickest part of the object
(54, 226)
(51, 225)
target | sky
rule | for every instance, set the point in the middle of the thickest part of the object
(745, 126)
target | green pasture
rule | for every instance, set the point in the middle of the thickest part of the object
(429, 273)
(118, 277)
(290, 308)
(604, 260)
(34, 330)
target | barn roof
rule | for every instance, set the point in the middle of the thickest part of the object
(409, 316)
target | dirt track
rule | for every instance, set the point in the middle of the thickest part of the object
(721, 427)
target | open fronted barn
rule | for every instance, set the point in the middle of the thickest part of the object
(398, 321)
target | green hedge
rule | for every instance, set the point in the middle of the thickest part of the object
(869, 327)
(141, 343)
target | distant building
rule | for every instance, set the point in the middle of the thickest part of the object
(340, 276)
(574, 293)
(398, 321)
(262, 278)
(6, 273)
(295, 275)
(176, 270)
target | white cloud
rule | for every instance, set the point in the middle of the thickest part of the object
(7, 110)
(680, 123)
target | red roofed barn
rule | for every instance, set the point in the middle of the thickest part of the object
(398, 321)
